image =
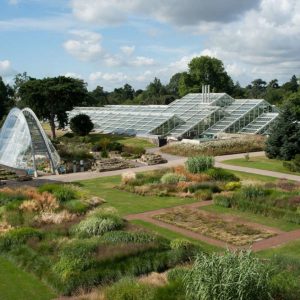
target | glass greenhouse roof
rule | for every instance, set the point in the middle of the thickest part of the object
(23, 142)
(192, 115)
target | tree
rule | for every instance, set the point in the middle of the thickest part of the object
(257, 89)
(81, 124)
(173, 85)
(50, 98)
(208, 70)
(99, 96)
(292, 85)
(6, 98)
(284, 140)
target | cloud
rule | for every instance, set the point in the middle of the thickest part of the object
(128, 50)
(114, 78)
(176, 12)
(73, 75)
(6, 69)
(13, 2)
(140, 61)
(85, 45)
(265, 43)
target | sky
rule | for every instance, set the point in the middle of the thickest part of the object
(113, 42)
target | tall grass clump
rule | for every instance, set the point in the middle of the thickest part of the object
(199, 164)
(172, 178)
(234, 275)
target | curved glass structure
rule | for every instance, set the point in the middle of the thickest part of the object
(24, 144)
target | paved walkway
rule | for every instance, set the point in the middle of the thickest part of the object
(280, 238)
(172, 162)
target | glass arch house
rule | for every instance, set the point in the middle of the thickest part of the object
(24, 144)
(196, 115)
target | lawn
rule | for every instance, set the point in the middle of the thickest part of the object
(126, 202)
(255, 177)
(290, 249)
(260, 162)
(174, 235)
(16, 284)
(248, 216)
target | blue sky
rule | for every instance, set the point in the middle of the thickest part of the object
(109, 43)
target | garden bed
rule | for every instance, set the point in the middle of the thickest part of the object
(250, 143)
(214, 226)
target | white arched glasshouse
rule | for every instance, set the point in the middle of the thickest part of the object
(24, 144)
(193, 116)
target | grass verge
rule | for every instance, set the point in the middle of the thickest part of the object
(260, 162)
(126, 202)
(16, 284)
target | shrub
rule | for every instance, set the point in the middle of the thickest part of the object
(98, 225)
(234, 275)
(126, 177)
(203, 195)
(129, 289)
(232, 186)
(172, 178)
(252, 192)
(223, 199)
(65, 193)
(81, 124)
(213, 187)
(76, 206)
(177, 274)
(199, 164)
(128, 237)
(219, 174)
(134, 150)
(18, 236)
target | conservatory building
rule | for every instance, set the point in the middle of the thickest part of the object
(24, 145)
(201, 115)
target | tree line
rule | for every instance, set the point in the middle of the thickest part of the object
(50, 98)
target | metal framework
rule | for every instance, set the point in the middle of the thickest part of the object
(195, 115)
(23, 142)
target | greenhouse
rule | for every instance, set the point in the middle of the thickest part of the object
(24, 145)
(193, 116)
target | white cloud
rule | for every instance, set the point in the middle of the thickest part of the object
(176, 12)
(6, 68)
(85, 45)
(13, 2)
(118, 77)
(73, 75)
(140, 61)
(127, 50)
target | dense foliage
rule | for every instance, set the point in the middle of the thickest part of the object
(81, 124)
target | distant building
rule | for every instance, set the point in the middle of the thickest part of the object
(193, 116)
(24, 145)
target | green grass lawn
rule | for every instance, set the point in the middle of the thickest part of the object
(255, 177)
(248, 216)
(16, 284)
(291, 249)
(126, 202)
(260, 162)
(174, 235)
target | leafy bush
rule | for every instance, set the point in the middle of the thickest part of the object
(128, 237)
(219, 174)
(199, 164)
(223, 199)
(76, 206)
(232, 186)
(229, 276)
(293, 165)
(18, 236)
(98, 225)
(177, 274)
(81, 124)
(203, 195)
(134, 150)
(252, 192)
(213, 187)
(172, 178)
(129, 289)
